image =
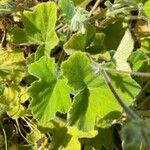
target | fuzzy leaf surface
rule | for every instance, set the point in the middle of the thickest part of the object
(93, 97)
(68, 8)
(49, 93)
(124, 50)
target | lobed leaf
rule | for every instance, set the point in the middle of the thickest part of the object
(93, 98)
(49, 93)
(39, 27)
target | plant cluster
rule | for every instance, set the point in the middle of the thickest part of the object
(74, 74)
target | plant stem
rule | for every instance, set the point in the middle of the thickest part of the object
(5, 137)
(63, 54)
(143, 74)
(95, 6)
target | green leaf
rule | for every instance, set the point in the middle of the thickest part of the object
(113, 31)
(124, 50)
(90, 41)
(34, 136)
(49, 93)
(67, 138)
(132, 135)
(147, 9)
(139, 62)
(77, 69)
(145, 44)
(93, 97)
(39, 27)
(68, 8)
(11, 101)
(12, 65)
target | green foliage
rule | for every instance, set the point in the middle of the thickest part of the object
(39, 27)
(124, 50)
(132, 134)
(90, 41)
(90, 86)
(74, 74)
(147, 9)
(104, 139)
(67, 8)
(50, 93)
(6, 7)
(111, 31)
(12, 65)
(67, 138)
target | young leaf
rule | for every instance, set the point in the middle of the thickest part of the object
(93, 97)
(39, 27)
(49, 93)
(124, 50)
(68, 8)
(11, 100)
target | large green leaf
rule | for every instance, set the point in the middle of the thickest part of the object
(49, 93)
(39, 27)
(94, 97)
(124, 50)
